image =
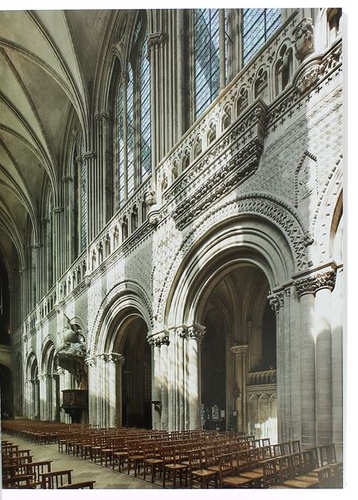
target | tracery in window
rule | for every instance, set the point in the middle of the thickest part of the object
(145, 132)
(257, 27)
(207, 57)
(132, 124)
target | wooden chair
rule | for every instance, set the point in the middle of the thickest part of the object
(337, 472)
(229, 475)
(290, 473)
(135, 457)
(271, 476)
(325, 477)
(172, 466)
(35, 469)
(152, 462)
(55, 479)
(199, 471)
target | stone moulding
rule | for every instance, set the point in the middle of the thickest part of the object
(235, 158)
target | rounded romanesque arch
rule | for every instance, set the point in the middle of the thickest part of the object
(219, 321)
(270, 217)
(240, 240)
(120, 359)
(49, 382)
(125, 295)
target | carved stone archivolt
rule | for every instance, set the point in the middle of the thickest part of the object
(269, 207)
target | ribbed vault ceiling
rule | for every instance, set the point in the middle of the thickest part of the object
(48, 64)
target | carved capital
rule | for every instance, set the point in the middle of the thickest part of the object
(239, 349)
(276, 301)
(311, 284)
(156, 40)
(159, 339)
(88, 155)
(181, 331)
(91, 361)
(102, 116)
(57, 210)
(196, 332)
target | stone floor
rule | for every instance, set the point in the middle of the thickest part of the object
(83, 470)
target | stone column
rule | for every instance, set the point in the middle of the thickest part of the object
(239, 351)
(156, 43)
(194, 335)
(114, 387)
(92, 382)
(104, 197)
(64, 417)
(57, 233)
(305, 291)
(180, 334)
(159, 380)
(325, 284)
(283, 362)
(88, 159)
(102, 396)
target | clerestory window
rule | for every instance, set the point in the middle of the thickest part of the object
(257, 27)
(209, 50)
(132, 125)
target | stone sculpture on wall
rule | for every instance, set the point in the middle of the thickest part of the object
(71, 354)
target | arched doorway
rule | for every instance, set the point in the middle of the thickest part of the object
(33, 389)
(238, 350)
(136, 374)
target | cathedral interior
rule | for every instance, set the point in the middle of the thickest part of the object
(171, 227)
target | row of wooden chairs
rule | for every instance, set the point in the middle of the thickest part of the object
(19, 471)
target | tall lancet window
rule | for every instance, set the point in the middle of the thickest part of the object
(83, 199)
(132, 133)
(257, 27)
(120, 141)
(145, 128)
(207, 35)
